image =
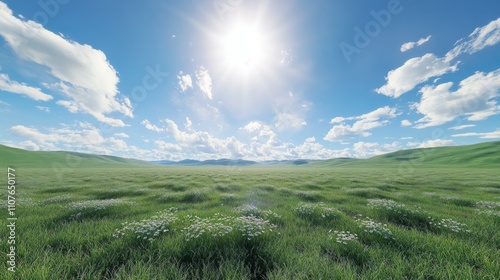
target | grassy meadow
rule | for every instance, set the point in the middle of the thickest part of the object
(256, 223)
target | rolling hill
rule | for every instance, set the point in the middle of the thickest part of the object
(477, 155)
(485, 155)
(18, 158)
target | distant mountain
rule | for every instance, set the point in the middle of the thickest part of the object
(182, 162)
(485, 155)
(222, 162)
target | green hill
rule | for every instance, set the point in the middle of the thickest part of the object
(18, 158)
(477, 155)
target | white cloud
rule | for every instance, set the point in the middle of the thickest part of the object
(365, 122)
(460, 127)
(261, 143)
(310, 140)
(147, 124)
(204, 81)
(188, 124)
(252, 126)
(290, 112)
(262, 133)
(474, 99)
(406, 123)
(485, 135)
(29, 145)
(380, 113)
(6, 84)
(431, 143)
(479, 39)
(83, 139)
(165, 146)
(410, 45)
(310, 149)
(121, 135)
(414, 72)
(366, 150)
(185, 81)
(420, 69)
(203, 144)
(337, 120)
(285, 121)
(45, 109)
(85, 75)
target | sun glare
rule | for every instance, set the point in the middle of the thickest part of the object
(243, 48)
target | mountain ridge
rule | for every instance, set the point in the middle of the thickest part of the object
(486, 154)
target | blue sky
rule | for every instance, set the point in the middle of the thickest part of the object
(257, 80)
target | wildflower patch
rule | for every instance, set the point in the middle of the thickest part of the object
(372, 227)
(149, 229)
(315, 211)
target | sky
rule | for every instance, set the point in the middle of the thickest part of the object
(255, 80)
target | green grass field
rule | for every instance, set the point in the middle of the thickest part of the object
(255, 223)
(413, 214)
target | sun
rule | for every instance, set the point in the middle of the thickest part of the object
(244, 48)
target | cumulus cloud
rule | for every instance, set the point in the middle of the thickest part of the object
(367, 149)
(414, 72)
(203, 143)
(479, 39)
(185, 81)
(261, 143)
(420, 69)
(204, 81)
(364, 123)
(149, 126)
(252, 126)
(484, 135)
(165, 146)
(83, 138)
(475, 99)
(405, 123)
(262, 133)
(410, 45)
(85, 75)
(6, 84)
(310, 149)
(431, 143)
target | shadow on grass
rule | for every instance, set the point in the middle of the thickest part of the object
(113, 194)
(410, 219)
(367, 194)
(58, 190)
(354, 254)
(196, 256)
